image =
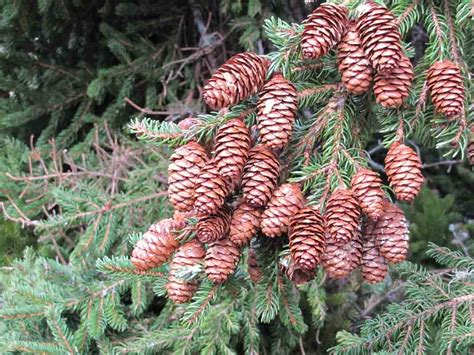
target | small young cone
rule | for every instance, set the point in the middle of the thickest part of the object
(186, 164)
(244, 224)
(255, 272)
(403, 168)
(276, 112)
(232, 149)
(378, 31)
(306, 238)
(445, 82)
(221, 259)
(260, 176)
(323, 29)
(286, 201)
(392, 86)
(213, 227)
(238, 78)
(374, 266)
(342, 216)
(366, 186)
(188, 255)
(156, 246)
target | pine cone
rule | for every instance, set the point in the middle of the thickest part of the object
(238, 78)
(252, 266)
(342, 216)
(188, 123)
(187, 256)
(354, 66)
(260, 176)
(366, 186)
(306, 238)
(214, 227)
(231, 149)
(374, 266)
(211, 190)
(285, 203)
(323, 30)
(403, 168)
(156, 246)
(378, 31)
(221, 259)
(244, 224)
(445, 82)
(356, 250)
(299, 275)
(391, 234)
(336, 260)
(186, 164)
(276, 112)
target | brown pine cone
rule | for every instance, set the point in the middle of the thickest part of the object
(244, 224)
(253, 268)
(391, 234)
(232, 149)
(221, 259)
(403, 168)
(445, 82)
(306, 238)
(356, 250)
(188, 123)
(188, 255)
(276, 112)
(354, 66)
(211, 190)
(374, 266)
(156, 246)
(238, 78)
(323, 30)
(297, 274)
(260, 176)
(214, 227)
(342, 216)
(286, 201)
(378, 31)
(336, 260)
(186, 164)
(366, 186)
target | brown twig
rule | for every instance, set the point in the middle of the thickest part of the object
(452, 35)
(318, 89)
(145, 110)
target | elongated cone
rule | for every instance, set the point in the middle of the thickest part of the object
(286, 201)
(253, 268)
(391, 234)
(186, 164)
(232, 149)
(342, 216)
(244, 224)
(238, 78)
(378, 31)
(445, 82)
(276, 112)
(188, 255)
(260, 176)
(374, 266)
(340, 260)
(403, 168)
(214, 227)
(366, 186)
(306, 238)
(156, 246)
(323, 29)
(221, 259)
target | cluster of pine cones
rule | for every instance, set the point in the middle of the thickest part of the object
(234, 192)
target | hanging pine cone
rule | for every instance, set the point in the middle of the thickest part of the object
(336, 260)
(186, 164)
(296, 273)
(238, 78)
(244, 224)
(306, 238)
(285, 203)
(253, 268)
(188, 255)
(403, 168)
(323, 30)
(392, 86)
(354, 66)
(342, 216)
(232, 148)
(260, 176)
(366, 186)
(276, 112)
(378, 31)
(221, 259)
(156, 246)
(374, 266)
(445, 82)
(214, 227)
(356, 250)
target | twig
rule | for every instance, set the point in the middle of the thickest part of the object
(452, 36)
(145, 110)
(443, 162)
(318, 89)
(407, 11)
